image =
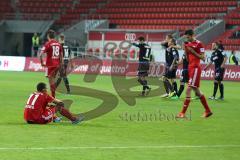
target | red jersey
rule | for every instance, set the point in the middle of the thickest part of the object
(36, 106)
(192, 59)
(54, 52)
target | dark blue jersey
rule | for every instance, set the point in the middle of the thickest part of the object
(144, 51)
(66, 52)
(217, 58)
(170, 55)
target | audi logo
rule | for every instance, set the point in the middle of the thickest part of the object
(130, 36)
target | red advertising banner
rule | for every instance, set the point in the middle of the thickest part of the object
(33, 64)
(122, 67)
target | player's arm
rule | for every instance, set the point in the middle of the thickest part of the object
(200, 56)
(57, 102)
(177, 47)
(61, 55)
(224, 61)
(209, 64)
(135, 44)
(180, 62)
(184, 49)
(43, 51)
(174, 60)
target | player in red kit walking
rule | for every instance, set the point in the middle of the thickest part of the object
(195, 52)
(39, 111)
(53, 50)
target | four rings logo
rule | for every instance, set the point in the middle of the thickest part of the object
(130, 36)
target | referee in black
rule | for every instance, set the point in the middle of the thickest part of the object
(219, 59)
(143, 66)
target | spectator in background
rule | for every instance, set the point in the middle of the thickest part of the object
(233, 59)
(35, 44)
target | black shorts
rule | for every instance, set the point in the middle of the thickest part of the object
(143, 68)
(219, 74)
(170, 74)
(184, 76)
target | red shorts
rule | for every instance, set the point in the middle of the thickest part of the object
(51, 71)
(45, 118)
(194, 76)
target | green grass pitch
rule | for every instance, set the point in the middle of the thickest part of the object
(109, 136)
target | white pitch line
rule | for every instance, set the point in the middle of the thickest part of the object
(120, 147)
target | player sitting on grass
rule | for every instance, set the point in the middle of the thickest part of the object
(39, 111)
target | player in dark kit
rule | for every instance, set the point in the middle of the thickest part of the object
(143, 66)
(170, 45)
(184, 75)
(39, 110)
(219, 59)
(171, 58)
(63, 69)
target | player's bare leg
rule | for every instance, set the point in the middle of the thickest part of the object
(167, 84)
(143, 82)
(215, 84)
(221, 88)
(52, 85)
(174, 90)
(186, 103)
(181, 88)
(66, 113)
(66, 82)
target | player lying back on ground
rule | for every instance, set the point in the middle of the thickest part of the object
(39, 111)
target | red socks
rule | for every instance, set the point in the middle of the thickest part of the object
(185, 105)
(63, 111)
(204, 103)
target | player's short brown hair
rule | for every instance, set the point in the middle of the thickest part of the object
(170, 36)
(51, 33)
(189, 32)
(141, 38)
